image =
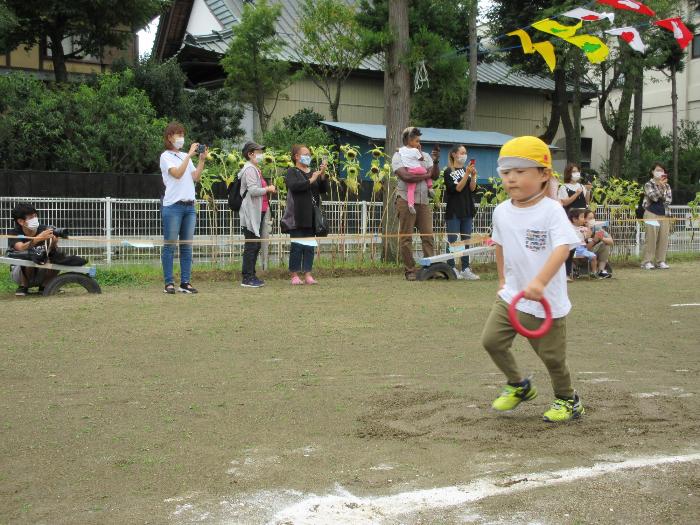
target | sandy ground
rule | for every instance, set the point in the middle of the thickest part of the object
(344, 403)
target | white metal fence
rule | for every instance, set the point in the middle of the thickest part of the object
(117, 231)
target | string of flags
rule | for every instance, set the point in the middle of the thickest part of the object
(595, 49)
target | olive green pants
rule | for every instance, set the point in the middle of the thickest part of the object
(497, 339)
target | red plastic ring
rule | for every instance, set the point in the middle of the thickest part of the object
(530, 334)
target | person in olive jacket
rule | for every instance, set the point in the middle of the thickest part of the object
(304, 187)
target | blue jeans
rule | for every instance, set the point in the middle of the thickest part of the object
(178, 224)
(459, 229)
(301, 258)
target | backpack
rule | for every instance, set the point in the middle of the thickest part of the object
(235, 199)
(639, 212)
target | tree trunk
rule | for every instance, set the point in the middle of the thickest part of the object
(563, 99)
(636, 139)
(576, 109)
(622, 122)
(554, 119)
(397, 107)
(674, 124)
(470, 116)
(58, 57)
(336, 101)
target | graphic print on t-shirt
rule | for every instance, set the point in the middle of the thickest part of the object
(535, 240)
(457, 175)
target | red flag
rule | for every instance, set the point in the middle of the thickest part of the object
(679, 30)
(629, 5)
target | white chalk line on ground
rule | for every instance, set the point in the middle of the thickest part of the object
(687, 304)
(342, 507)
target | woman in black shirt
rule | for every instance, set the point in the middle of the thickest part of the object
(460, 184)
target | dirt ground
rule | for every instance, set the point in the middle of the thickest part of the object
(344, 403)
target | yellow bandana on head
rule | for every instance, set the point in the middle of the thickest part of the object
(527, 149)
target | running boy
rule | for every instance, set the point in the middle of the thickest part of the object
(533, 237)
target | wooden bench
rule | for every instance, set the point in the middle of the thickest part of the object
(80, 275)
(437, 267)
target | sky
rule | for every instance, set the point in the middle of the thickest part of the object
(147, 36)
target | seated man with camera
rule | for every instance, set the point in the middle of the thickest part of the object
(33, 241)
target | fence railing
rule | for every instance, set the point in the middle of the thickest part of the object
(120, 231)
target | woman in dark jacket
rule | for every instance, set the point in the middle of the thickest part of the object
(304, 187)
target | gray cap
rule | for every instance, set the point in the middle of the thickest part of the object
(251, 146)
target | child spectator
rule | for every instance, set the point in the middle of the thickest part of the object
(411, 158)
(599, 243)
(577, 217)
(533, 238)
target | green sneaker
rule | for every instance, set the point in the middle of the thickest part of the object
(512, 396)
(564, 410)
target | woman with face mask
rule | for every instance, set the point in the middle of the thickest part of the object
(256, 204)
(460, 184)
(657, 199)
(572, 194)
(177, 210)
(305, 187)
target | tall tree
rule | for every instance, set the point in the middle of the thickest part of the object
(397, 107)
(470, 114)
(256, 74)
(332, 46)
(91, 25)
(438, 35)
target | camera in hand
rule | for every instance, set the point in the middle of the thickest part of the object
(202, 148)
(60, 232)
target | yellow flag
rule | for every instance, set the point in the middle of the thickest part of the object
(595, 49)
(546, 49)
(555, 28)
(524, 40)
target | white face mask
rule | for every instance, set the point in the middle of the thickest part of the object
(591, 223)
(259, 157)
(575, 176)
(658, 174)
(462, 160)
(179, 142)
(32, 224)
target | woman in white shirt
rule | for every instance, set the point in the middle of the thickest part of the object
(572, 193)
(177, 211)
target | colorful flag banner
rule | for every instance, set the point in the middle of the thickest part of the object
(555, 28)
(595, 49)
(629, 5)
(545, 49)
(679, 30)
(629, 35)
(588, 15)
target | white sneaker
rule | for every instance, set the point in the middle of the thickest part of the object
(663, 266)
(457, 274)
(647, 266)
(468, 275)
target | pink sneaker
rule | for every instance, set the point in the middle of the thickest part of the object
(310, 280)
(296, 281)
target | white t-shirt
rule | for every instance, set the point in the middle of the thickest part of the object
(528, 237)
(181, 189)
(573, 186)
(410, 157)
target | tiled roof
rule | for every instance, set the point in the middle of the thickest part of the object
(228, 12)
(377, 132)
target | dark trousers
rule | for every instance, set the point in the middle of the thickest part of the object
(301, 258)
(251, 250)
(459, 229)
(570, 262)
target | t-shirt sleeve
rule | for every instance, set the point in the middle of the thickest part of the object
(561, 229)
(396, 162)
(563, 193)
(167, 162)
(496, 227)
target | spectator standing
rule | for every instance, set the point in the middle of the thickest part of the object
(460, 184)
